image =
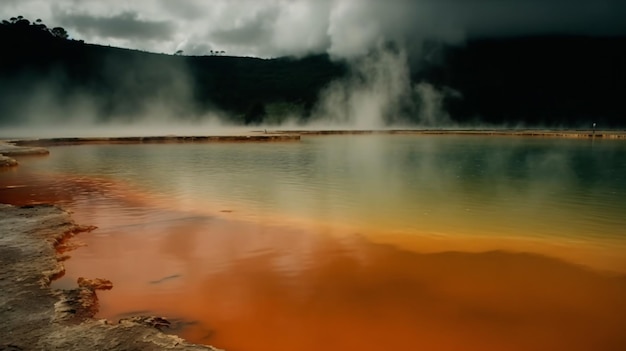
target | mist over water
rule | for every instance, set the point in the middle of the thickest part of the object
(376, 93)
(151, 95)
(379, 94)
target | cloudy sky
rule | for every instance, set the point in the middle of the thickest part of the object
(271, 28)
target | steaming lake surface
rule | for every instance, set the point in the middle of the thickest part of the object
(352, 242)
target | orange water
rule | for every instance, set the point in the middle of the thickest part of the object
(238, 279)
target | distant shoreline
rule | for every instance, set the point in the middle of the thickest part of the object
(609, 134)
(25, 146)
(295, 135)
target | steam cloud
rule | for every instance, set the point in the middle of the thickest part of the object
(345, 28)
(376, 94)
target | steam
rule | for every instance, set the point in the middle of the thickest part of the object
(378, 83)
(378, 93)
(431, 111)
(123, 105)
(380, 42)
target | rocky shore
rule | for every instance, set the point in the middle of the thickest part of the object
(33, 147)
(35, 317)
(8, 151)
(158, 139)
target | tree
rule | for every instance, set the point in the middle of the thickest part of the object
(41, 26)
(178, 53)
(22, 22)
(59, 32)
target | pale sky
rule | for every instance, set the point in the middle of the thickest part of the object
(345, 28)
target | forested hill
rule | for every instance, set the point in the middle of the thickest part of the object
(550, 81)
(121, 82)
(569, 81)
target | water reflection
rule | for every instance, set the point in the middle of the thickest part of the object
(242, 286)
(354, 242)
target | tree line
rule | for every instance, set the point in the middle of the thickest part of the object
(20, 26)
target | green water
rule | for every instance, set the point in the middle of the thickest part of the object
(423, 183)
(351, 242)
(560, 189)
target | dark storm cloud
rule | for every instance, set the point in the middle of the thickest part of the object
(125, 25)
(534, 17)
(480, 18)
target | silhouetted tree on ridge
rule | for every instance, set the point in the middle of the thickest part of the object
(59, 32)
(20, 28)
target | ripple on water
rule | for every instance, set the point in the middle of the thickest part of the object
(351, 243)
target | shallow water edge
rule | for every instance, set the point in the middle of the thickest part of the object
(36, 316)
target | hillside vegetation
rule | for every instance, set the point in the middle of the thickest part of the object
(549, 81)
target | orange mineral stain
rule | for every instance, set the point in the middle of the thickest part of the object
(241, 286)
(238, 284)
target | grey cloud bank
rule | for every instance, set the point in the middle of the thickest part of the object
(344, 28)
(125, 25)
